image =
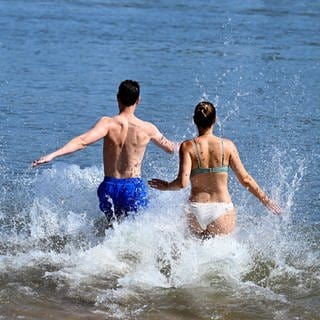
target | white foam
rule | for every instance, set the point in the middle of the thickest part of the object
(151, 251)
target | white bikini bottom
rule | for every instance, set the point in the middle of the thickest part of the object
(208, 212)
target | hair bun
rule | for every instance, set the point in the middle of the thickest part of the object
(204, 114)
(203, 111)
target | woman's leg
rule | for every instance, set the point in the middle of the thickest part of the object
(224, 224)
(194, 226)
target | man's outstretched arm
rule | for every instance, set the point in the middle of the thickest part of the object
(160, 140)
(99, 130)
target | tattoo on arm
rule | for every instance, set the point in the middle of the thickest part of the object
(164, 141)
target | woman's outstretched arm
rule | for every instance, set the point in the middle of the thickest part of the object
(248, 181)
(183, 177)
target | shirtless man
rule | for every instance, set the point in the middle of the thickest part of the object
(125, 140)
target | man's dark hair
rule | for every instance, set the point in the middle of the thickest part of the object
(128, 92)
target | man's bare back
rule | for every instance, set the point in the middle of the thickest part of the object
(125, 140)
(125, 145)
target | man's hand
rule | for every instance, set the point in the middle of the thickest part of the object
(42, 160)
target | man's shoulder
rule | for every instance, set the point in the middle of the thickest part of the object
(117, 119)
(147, 125)
(105, 119)
(102, 121)
(136, 122)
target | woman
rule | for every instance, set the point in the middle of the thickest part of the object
(205, 161)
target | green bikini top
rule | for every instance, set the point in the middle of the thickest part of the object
(200, 169)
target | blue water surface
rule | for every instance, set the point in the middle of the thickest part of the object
(61, 62)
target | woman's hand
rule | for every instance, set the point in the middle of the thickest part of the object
(271, 205)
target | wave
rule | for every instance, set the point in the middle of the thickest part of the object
(54, 236)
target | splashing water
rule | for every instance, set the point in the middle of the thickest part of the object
(61, 236)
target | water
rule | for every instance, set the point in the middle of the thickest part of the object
(61, 63)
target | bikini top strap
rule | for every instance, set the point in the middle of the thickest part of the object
(196, 152)
(222, 147)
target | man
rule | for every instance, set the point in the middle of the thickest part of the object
(125, 140)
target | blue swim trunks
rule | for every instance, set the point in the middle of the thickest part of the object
(119, 197)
